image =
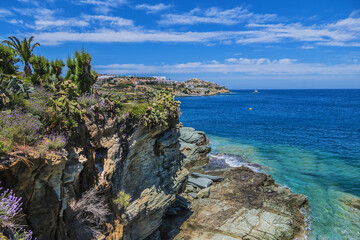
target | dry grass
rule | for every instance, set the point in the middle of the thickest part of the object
(86, 217)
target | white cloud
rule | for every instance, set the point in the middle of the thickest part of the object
(152, 8)
(33, 2)
(48, 24)
(35, 12)
(307, 46)
(5, 12)
(45, 19)
(134, 35)
(345, 32)
(215, 16)
(118, 21)
(257, 30)
(331, 34)
(243, 66)
(16, 21)
(103, 6)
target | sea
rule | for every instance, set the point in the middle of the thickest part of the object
(307, 140)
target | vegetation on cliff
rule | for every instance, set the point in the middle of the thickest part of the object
(40, 104)
(40, 109)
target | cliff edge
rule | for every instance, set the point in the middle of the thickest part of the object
(117, 179)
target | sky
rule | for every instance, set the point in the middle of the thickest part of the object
(254, 44)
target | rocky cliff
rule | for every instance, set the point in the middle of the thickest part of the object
(117, 179)
(111, 156)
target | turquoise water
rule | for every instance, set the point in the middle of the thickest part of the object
(308, 140)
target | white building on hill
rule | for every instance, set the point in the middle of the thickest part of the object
(159, 78)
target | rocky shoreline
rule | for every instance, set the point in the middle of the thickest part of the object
(160, 171)
(232, 203)
(212, 92)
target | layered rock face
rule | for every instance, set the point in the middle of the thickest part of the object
(111, 155)
(194, 146)
(40, 189)
(121, 156)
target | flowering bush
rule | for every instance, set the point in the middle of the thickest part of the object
(51, 142)
(10, 208)
(88, 100)
(37, 106)
(19, 127)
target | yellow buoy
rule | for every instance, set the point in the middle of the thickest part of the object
(250, 108)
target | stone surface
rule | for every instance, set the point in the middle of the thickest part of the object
(246, 205)
(41, 191)
(200, 182)
(148, 165)
(194, 146)
(204, 193)
(145, 164)
(213, 178)
(193, 195)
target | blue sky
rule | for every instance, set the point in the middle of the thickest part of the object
(241, 44)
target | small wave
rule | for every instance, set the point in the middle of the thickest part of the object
(230, 160)
(308, 219)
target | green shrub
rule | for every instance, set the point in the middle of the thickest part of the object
(64, 109)
(12, 88)
(56, 67)
(122, 200)
(51, 142)
(135, 109)
(7, 60)
(18, 127)
(87, 100)
(37, 107)
(79, 71)
(41, 67)
(17, 101)
(163, 108)
(5, 145)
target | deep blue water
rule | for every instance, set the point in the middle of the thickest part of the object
(308, 140)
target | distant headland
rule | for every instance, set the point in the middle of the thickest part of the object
(132, 84)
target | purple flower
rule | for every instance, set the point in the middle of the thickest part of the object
(19, 125)
(10, 207)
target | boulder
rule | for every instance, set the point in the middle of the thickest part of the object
(213, 178)
(200, 182)
(204, 193)
(193, 195)
(191, 136)
(194, 147)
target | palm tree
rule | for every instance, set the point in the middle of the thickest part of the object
(23, 49)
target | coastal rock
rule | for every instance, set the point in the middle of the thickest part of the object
(152, 175)
(204, 193)
(41, 190)
(213, 178)
(200, 182)
(111, 155)
(246, 205)
(194, 146)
